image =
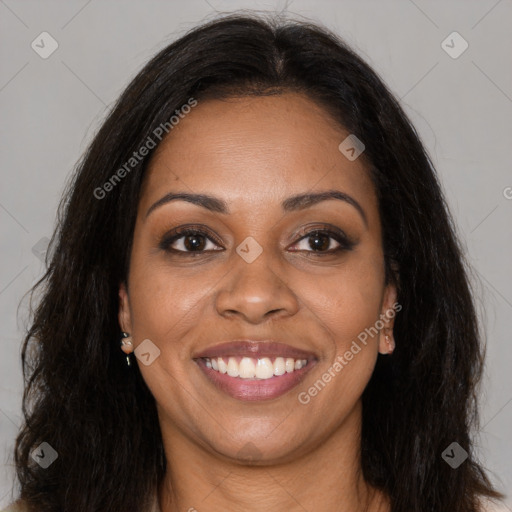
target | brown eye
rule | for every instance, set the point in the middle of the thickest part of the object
(194, 242)
(319, 241)
(188, 240)
(324, 242)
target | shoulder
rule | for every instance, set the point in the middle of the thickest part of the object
(17, 506)
(490, 506)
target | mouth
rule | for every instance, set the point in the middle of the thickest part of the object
(255, 370)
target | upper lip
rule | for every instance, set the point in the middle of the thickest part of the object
(256, 349)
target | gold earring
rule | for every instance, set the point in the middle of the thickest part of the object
(126, 344)
(391, 344)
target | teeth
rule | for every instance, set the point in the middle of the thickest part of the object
(233, 367)
(251, 368)
(246, 368)
(279, 366)
(264, 368)
(223, 367)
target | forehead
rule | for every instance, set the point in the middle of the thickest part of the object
(256, 150)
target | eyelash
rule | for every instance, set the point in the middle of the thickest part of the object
(345, 243)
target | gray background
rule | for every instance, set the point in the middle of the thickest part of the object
(50, 109)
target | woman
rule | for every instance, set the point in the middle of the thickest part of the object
(259, 229)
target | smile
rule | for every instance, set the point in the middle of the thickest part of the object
(253, 368)
(251, 379)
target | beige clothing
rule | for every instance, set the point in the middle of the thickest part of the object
(17, 507)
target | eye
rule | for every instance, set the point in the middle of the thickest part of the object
(189, 240)
(324, 241)
(196, 241)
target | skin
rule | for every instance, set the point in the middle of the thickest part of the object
(253, 153)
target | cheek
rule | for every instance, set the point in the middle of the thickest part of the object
(346, 300)
(163, 303)
(345, 305)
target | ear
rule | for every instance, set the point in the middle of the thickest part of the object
(390, 308)
(124, 309)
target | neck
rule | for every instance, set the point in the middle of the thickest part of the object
(328, 478)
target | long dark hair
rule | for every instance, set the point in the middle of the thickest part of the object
(101, 418)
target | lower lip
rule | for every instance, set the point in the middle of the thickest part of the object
(255, 389)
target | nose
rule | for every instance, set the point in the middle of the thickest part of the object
(255, 292)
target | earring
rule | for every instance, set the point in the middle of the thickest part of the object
(391, 344)
(127, 347)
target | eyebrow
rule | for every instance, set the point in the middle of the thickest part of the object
(291, 204)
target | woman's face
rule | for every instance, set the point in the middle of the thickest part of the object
(255, 274)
